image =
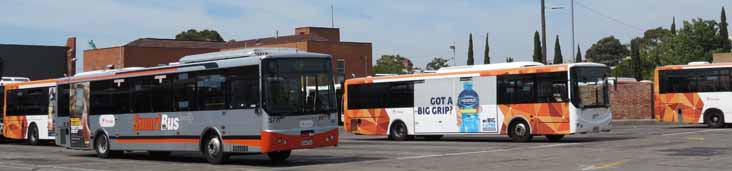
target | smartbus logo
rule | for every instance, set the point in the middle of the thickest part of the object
(159, 123)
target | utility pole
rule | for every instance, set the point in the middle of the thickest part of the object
(332, 21)
(543, 32)
(452, 47)
(573, 51)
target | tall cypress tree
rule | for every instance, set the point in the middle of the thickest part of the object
(470, 50)
(723, 35)
(558, 52)
(635, 56)
(486, 55)
(579, 55)
(673, 26)
(537, 48)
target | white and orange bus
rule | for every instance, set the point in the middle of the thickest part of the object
(520, 99)
(695, 93)
(267, 101)
(29, 109)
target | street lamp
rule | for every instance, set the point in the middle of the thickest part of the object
(452, 47)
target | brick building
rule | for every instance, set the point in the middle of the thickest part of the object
(351, 58)
(38, 61)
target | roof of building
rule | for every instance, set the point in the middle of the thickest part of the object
(275, 40)
(172, 43)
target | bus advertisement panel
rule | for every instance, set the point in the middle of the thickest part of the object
(515, 99)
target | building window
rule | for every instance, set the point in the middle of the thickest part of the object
(341, 70)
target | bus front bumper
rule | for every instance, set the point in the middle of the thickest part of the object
(272, 142)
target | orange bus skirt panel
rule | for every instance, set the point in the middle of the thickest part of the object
(279, 142)
(368, 121)
(668, 105)
(14, 127)
(545, 118)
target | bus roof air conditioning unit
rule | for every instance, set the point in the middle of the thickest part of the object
(698, 63)
(230, 54)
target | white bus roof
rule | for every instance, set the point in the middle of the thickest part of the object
(488, 67)
(235, 54)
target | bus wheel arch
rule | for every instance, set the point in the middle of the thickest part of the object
(398, 131)
(208, 131)
(213, 148)
(714, 118)
(519, 130)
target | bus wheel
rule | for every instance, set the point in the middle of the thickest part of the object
(519, 131)
(399, 132)
(714, 119)
(33, 135)
(159, 154)
(214, 150)
(554, 138)
(101, 146)
(279, 156)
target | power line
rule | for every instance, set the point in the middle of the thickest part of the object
(608, 16)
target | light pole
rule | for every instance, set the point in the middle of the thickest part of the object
(543, 32)
(573, 51)
(452, 47)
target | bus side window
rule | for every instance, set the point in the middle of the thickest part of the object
(184, 88)
(242, 87)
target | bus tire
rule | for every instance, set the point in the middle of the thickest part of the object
(214, 150)
(519, 131)
(554, 138)
(33, 135)
(398, 132)
(279, 156)
(714, 119)
(101, 146)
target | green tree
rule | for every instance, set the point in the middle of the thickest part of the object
(558, 52)
(195, 35)
(578, 58)
(486, 54)
(607, 51)
(437, 63)
(537, 48)
(471, 61)
(393, 64)
(673, 26)
(636, 58)
(723, 34)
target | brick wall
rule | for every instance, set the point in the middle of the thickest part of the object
(357, 56)
(154, 56)
(97, 59)
(631, 100)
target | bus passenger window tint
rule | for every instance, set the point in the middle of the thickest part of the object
(185, 92)
(381, 95)
(211, 91)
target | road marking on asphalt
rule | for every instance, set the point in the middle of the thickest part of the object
(693, 132)
(695, 138)
(604, 165)
(37, 167)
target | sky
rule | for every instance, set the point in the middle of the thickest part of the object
(417, 29)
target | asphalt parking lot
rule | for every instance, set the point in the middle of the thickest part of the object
(627, 147)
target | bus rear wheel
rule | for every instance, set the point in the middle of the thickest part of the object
(33, 135)
(101, 146)
(399, 132)
(519, 131)
(714, 119)
(214, 150)
(279, 156)
(554, 138)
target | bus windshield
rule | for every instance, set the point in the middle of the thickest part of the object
(589, 87)
(298, 86)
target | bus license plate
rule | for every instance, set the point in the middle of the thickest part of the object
(307, 142)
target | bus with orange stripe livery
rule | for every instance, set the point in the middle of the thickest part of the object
(29, 111)
(518, 99)
(269, 101)
(697, 93)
